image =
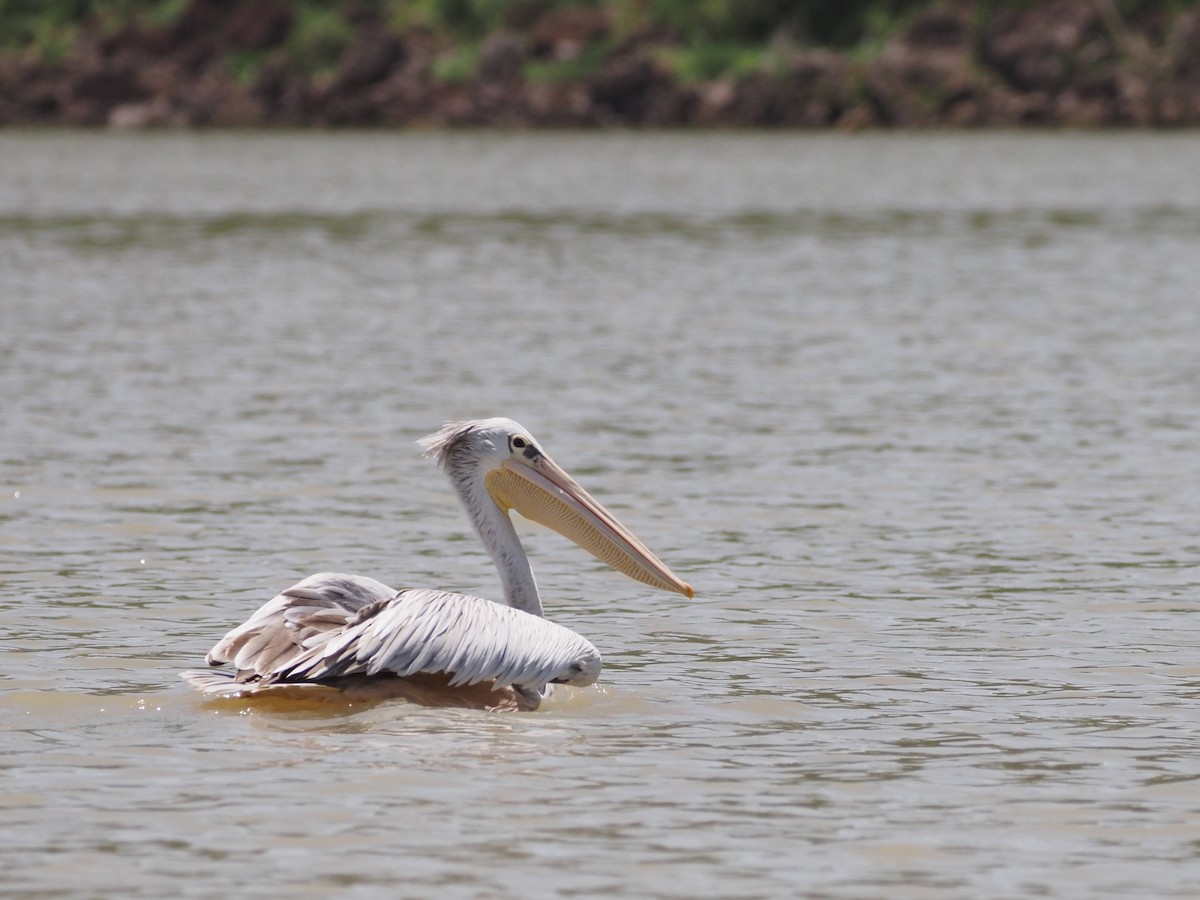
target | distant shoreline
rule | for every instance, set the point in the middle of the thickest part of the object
(1067, 63)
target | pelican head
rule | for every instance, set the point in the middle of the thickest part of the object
(500, 460)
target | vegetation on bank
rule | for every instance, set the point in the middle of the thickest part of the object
(708, 37)
(799, 62)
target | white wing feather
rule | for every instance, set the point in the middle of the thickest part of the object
(473, 640)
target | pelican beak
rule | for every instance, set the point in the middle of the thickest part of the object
(540, 490)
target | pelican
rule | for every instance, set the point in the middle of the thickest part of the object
(353, 637)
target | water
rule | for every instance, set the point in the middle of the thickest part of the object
(917, 416)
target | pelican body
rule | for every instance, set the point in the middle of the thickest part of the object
(354, 637)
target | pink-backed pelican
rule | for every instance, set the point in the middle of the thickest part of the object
(359, 639)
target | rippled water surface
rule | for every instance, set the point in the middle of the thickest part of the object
(917, 416)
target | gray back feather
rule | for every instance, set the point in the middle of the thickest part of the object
(296, 620)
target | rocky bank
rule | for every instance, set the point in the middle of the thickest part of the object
(1073, 63)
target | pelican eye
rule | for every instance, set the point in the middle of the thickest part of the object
(524, 446)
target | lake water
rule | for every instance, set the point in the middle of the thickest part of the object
(917, 416)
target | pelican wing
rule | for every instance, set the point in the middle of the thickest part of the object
(470, 639)
(302, 617)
